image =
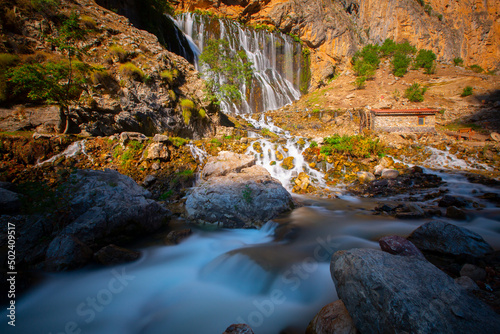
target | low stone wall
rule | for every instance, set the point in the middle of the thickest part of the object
(402, 123)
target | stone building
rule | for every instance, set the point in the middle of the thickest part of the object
(402, 120)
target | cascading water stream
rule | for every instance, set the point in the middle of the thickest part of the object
(277, 61)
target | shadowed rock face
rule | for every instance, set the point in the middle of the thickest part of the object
(441, 237)
(236, 193)
(387, 293)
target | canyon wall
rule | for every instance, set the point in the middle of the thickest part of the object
(335, 29)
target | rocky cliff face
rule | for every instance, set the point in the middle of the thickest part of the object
(130, 82)
(335, 29)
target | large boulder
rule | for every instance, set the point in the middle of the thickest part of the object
(236, 197)
(445, 238)
(9, 202)
(105, 206)
(226, 162)
(387, 293)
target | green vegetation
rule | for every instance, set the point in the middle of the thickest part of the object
(476, 68)
(166, 195)
(305, 74)
(458, 61)
(247, 194)
(6, 61)
(467, 91)
(235, 67)
(187, 108)
(400, 63)
(118, 52)
(415, 93)
(426, 59)
(365, 64)
(216, 142)
(132, 71)
(178, 141)
(389, 48)
(202, 113)
(169, 75)
(355, 146)
(313, 144)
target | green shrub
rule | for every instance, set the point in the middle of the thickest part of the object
(355, 146)
(313, 144)
(202, 113)
(178, 141)
(187, 108)
(169, 75)
(426, 59)
(467, 91)
(400, 63)
(359, 82)
(88, 22)
(389, 48)
(118, 52)
(415, 93)
(132, 71)
(476, 68)
(7, 60)
(458, 61)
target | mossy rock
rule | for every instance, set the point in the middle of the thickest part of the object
(288, 163)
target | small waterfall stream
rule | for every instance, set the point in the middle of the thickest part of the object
(278, 62)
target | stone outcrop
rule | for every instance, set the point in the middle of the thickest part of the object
(445, 238)
(239, 194)
(387, 293)
(139, 85)
(105, 206)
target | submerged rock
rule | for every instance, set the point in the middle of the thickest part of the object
(112, 255)
(332, 319)
(238, 329)
(387, 293)
(442, 237)
(237, 197)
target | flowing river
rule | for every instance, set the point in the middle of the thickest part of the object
(273, 279)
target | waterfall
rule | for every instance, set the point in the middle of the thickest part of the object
(277, 61)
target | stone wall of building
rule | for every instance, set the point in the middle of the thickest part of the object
(402, 123)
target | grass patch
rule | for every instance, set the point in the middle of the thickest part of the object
(355, 146)
(476, 68)
(178, 141)
(468, 90)
(132, 71)
(415, 93)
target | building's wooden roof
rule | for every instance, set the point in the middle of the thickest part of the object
(406, 112)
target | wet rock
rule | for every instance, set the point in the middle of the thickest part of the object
(279, 156)
(67, 252)
(397, 245)
(448, 200)
(466, 283)
(288, 163)
(386, 293)
(386, 162)
(302, 181)
(442, 237)
(105, 206)
(389, 174)
(157, 151)
(226, 162)
(112, 255)
(474, 272)
(174, 237)
(245, 199)
(378, 169)
(238, 329)
(365, 177)
(455, 213)
(332, 319)
(9, 202)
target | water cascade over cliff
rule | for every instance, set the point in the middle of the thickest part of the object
(281, 70)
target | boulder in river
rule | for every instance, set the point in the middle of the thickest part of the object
(446, 238)
(332, 319)
(387, 293)
(241, 197)
(238, 329)
(103, 206)
(112, 255)
(397, 245)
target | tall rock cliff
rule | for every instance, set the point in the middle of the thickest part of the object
(335, 29)
(120, 78)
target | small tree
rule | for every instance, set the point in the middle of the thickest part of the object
(415, 93)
